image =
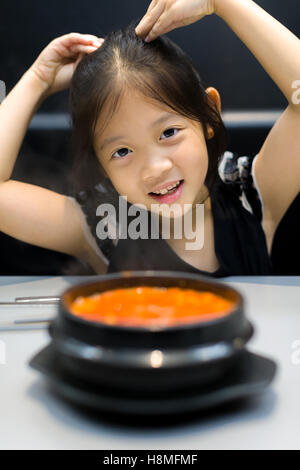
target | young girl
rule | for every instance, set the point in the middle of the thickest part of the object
(143, 122)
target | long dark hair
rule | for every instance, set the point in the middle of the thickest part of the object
(159, 70)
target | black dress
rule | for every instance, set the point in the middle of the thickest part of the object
(240, 242)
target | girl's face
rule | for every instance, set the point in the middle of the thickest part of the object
(146, 145)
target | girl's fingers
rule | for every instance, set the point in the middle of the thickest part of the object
(149, 20)
(161, 26)
(146, 15)
(151, 6)
(66, 47)
(76, 48)
(73, 38)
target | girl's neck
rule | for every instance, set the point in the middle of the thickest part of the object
(190, 223)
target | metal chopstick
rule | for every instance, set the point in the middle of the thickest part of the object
(41, 299)
(26, 324)
(32, 320)
(10, 327)
(44, 300)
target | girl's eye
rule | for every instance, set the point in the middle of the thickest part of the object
(122, 153)
(172, 133)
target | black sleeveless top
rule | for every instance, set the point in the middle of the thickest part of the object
(240, 242)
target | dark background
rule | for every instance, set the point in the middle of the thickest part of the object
(222, 60)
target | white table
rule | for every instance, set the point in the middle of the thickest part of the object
(33, 418)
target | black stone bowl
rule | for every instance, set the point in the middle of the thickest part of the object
(149, 360)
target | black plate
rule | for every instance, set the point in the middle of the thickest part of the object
(252, 374)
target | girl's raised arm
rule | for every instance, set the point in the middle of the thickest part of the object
(277, 166)
(274, 46)
(27, 212)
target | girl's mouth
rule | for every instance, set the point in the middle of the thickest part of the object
(170, 196)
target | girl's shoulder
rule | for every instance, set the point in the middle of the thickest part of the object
(99, 221)
(236, 172)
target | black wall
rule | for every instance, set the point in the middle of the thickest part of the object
(222, 59)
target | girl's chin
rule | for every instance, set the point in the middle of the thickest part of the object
(170, 211)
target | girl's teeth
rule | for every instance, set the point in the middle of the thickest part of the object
(166, 190)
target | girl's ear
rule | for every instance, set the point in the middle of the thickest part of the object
(210, 132)
(214, 97)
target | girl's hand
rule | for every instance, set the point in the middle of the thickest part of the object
(164, 15)
(57, 62)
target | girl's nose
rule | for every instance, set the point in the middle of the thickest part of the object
(155, 170)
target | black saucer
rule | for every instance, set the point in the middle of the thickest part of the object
(252, 374)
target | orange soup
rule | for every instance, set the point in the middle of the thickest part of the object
(151, 306)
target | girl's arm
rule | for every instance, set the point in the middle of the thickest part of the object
(27, 212)
(48, 74)
(277, 166)
(16, 112)
(274, 46)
